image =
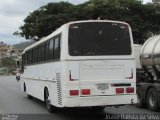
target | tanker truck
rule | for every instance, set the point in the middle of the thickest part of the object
(148, 73)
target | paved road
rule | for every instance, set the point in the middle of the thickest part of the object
(14, 101)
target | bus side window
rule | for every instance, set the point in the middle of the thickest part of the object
(39, 54)
(25, 58)
(36, 55)
(27, 54)
(30, 57)
(42, 52)
(33, 56)
(47, 51)
(51, 45)
(57, 48)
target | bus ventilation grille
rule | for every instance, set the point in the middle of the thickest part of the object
(59, 92)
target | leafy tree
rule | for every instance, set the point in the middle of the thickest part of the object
(9, 63)
(143, 18)
(46, 19)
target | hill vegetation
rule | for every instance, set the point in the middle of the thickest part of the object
(23, 45)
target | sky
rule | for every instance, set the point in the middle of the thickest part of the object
(13, 12)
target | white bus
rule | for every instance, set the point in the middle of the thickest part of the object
(82, 64)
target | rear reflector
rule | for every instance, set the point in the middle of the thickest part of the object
(74, 92)
(130, 90)
(119, 90)
(85, 92)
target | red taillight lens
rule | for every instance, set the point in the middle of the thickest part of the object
(119, 90)
(85, 92)
(74, 92)
(130, 90)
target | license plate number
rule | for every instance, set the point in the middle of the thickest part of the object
(102, 86)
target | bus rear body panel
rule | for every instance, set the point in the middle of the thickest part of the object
(99, 80)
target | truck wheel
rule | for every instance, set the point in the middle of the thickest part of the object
(140, 100)
(49, 107)
(152, 100)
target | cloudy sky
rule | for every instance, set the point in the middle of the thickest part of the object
(13, 12)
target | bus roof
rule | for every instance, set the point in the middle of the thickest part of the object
(59, 30)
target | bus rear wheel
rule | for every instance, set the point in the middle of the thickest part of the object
(29, 96)
(47, 101)
(49, 107)
(25, 90)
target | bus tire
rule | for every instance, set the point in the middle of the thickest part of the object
(152, 100)
(29, 96)
(98, 108)
(49, 107)
(24, 87)
(140, 100)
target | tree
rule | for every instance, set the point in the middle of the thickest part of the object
(8, 63)
(143, 18)
(46, 19)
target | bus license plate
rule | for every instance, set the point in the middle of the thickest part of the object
(102, 86)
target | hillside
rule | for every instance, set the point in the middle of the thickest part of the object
(23, 45)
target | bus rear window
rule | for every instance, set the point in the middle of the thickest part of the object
(99, 38)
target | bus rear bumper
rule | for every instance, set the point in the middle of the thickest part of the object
(99, 101)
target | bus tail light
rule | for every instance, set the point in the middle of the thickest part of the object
(119, 90)
(130, 90)
(74, 92)
(85, 92)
